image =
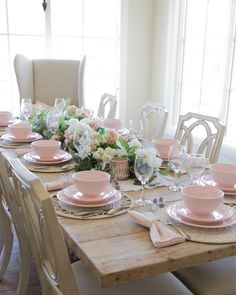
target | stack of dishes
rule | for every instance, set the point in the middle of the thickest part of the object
(21, 132)
(47, 152)
(222, 176)
(6, 118)
(91, 189)
(202, 207)
(163, 146)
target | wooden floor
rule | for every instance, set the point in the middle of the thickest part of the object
(8, 284)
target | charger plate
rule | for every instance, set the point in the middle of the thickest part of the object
(124, 204)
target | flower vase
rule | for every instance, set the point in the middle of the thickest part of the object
(119, 168)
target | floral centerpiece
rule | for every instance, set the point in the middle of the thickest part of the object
(91, 145)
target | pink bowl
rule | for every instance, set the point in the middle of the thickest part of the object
(5, 116)
(113, 124)
(202, 200)
(223, 174)
(20, 130)
(91, 182)
(46, 149)
(163, 145)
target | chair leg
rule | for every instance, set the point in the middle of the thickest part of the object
(6, 241)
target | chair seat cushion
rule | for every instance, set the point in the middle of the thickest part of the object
(162, 284)
(212, 278)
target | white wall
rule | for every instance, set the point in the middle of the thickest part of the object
(136, 58)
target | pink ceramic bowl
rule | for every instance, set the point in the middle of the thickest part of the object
(163, 145)
(223, 174)
(20, 130)
(5, 116)
(202, 200)
(91, 182)
(46, 149)
(113, 124)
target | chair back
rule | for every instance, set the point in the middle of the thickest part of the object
(107, 106)
(45, 79)
(46, 239)
(201, 134)
(154, 118)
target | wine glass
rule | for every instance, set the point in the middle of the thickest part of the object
(26, 107)
(195, 167)
(176, 157)
(136, 129)
(143, 170)
(53, 120)
(60, 104)
(81, 143)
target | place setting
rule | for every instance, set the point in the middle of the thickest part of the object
(46, 156)
(91, 196)
(6, 118)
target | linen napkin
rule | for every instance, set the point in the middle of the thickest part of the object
(56, 184)
(160, 234)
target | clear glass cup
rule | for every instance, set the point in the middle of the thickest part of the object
(195, 166)
(26, 108)
(143, 170)
(53, 120)
(136, 129)
(80, 141)
(60, 104)
(177, 156)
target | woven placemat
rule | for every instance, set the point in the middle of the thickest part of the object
(223, 235)
(13, 145)
(55, 168)
(123, 205)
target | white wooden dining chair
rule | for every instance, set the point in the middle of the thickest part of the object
(43, 80)
(201, 134)
(107, 106)
(49, 250)
(14, 216)
(154, 118)
(212, 278)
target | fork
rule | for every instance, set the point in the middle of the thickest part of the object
(180, 231)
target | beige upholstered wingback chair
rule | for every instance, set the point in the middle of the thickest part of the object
(45, 79)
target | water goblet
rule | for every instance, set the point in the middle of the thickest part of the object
(81, 143)
(176, 157)
(195, 167)
(53, 120)
(143, 170)
(60, 104)
(26, 108)
(136, 129)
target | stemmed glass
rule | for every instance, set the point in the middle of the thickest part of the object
(53, 120)
(195, 167)
(176, 157)
(143, 170)
(81, 143)
(136, 128)
(60, 104)
(26, 107)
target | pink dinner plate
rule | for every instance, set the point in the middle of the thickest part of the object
(208, 180)
(172, 211)
(28, 157)
(101, 199)
(59, 156)
(31, 137)
(6, 123)
(75, 202)
(222, 213)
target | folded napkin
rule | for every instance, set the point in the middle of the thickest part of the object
(22, 152)
(161, 235)
(56, 184)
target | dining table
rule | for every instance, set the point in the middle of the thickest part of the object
(117, 249)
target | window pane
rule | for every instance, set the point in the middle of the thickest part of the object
(67, 17)
(211, 100)
(26, 17)
(190, 99)
(232, 119)
(100, 17)
(4, 59)
(68, 48)
(196, 16)
(3, 19)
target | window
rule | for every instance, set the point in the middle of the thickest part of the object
(207, 64)
(68, 29)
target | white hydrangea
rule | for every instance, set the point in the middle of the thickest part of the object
(76, 126)
(110, 151)
(150, 155)
(135, 142)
